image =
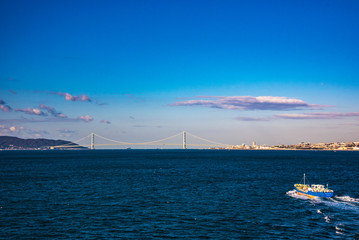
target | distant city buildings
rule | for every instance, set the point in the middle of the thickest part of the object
(323, 146)
(340, 146)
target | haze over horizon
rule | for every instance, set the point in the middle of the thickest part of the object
(274, 72)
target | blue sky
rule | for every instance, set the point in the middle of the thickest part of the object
(231, 71)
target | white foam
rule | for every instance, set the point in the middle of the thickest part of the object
(338, 202)
(347, 199)
(294, 194)
(342, 202)
(327, 219)
(339, 230)
(291, 192)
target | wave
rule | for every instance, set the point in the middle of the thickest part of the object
(328, 219)
(294, 194)
(338, 199)
(339, 230)
(347, 199)
(331, 211)
(338, 202)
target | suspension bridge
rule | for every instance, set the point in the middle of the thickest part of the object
(92, 144)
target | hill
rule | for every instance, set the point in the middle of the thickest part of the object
(15, 143)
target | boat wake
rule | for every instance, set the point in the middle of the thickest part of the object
(337, 199)
(339, 202)
(347, 199)
(293, 193)
(345, 202)
(331, 211)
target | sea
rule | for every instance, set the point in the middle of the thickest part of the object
(176, 194)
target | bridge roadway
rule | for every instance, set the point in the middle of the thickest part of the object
(161, 142)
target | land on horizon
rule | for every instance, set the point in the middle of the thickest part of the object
(15, 143)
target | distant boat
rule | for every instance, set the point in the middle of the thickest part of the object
(314, 190)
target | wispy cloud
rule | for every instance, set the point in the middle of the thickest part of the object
(105, 121)
(146, 126)
(4, 129)
(37, 133)
(249, 103)
(60, 130)
(66, 132)
(23, 120)
(254, 119)
(56, 116)
(15, 130)
(4, 107)
(52, 111)
(31, 111)
(73, 98)
(134, 98)
(86, 118)
(100, 104)
(303, 116)
(346, 124)
(76, 98)
(324, 115)
(140, 126)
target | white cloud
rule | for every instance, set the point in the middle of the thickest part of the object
(53, 111)
(73, 98)
(105, 121)
(317, 115)
(86, 118)
(31, 111)
(249, 103)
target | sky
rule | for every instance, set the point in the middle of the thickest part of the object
(274, 72)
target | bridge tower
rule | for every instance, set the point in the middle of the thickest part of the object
(184, 140)
(92, 141)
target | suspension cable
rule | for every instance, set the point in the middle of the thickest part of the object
(155, 142)
(125, 143)
(207, 140)
(71, 143)
(128, 143)
(82, 138)
(164, 138)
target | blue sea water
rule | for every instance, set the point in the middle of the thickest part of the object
(183, 194)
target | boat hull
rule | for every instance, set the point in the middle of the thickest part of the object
(314, 194)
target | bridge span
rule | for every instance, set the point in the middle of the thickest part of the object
(161, 142)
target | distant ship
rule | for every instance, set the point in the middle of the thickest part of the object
(314, 190)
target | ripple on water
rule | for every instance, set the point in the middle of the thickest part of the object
(174, 194)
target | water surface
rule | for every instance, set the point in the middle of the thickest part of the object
(147, 194)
